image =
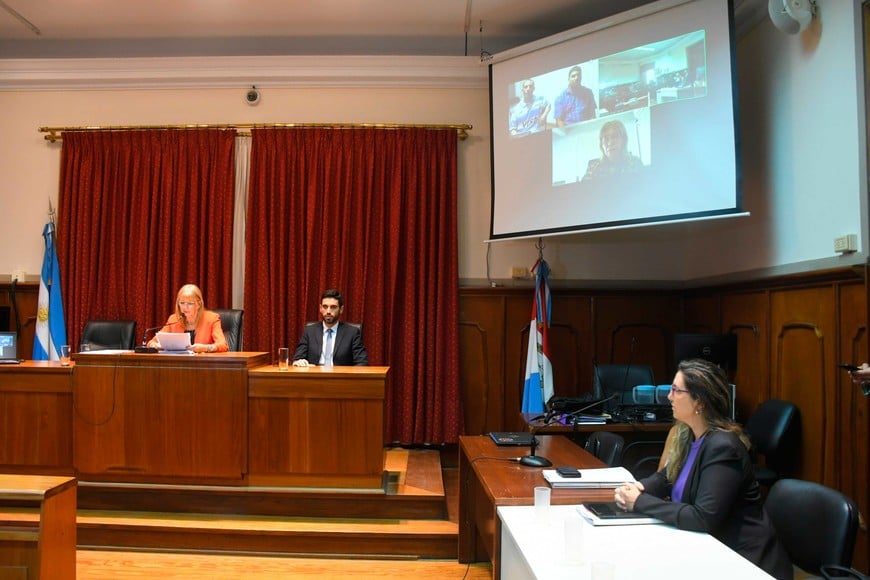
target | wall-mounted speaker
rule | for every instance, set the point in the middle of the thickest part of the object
(791, 16)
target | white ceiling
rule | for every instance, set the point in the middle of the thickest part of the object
(105, 28)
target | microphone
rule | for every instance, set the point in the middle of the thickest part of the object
(144, 348)
(532, 460)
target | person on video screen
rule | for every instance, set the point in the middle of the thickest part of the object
(615, 157)
(576, 103)
(530, 114)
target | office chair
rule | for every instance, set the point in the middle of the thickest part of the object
(606, 446)
(774, 429)
(109, 334)
(608, 380)
(642, 458)
(817, 525)
(231, 323)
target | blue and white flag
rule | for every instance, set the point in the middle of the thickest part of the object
(50, 326)
(538, 386)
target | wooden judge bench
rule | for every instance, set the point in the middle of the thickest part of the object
(209, 419)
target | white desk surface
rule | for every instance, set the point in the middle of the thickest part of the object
(533, 549)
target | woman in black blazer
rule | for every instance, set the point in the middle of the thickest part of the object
(707, 483)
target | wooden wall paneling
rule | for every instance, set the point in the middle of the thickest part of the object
(701, 314)
(803, 362)
(746, 315)
(481, 360)
(569, 340)
(637, 329)
(27, 298)
(853, 427)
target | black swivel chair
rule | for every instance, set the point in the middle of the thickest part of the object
(108, 334)
(608, 380)
(817, 525)
(606, 446)
(774, 429)
(231, 323)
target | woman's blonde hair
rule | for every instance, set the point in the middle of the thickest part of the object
(189, 291)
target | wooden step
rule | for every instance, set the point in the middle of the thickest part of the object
(413, 489)
(267, 535)
(407, 519)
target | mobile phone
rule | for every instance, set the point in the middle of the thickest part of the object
(566, 471)
(848, 367)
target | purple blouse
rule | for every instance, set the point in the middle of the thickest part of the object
(680, 484)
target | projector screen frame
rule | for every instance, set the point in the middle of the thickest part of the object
(534, 218)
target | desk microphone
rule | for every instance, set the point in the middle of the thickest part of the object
(144, 348)
(532, 460)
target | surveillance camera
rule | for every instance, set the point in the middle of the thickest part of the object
(252, 97)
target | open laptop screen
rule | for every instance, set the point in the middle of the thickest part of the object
(8, 346)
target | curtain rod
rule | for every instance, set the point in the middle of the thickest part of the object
(54, 133)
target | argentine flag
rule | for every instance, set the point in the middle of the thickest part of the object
(538, 386)
(50, 326)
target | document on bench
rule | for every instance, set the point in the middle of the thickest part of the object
(604, 477)
(174, 342)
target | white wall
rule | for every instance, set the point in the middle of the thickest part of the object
(801, 105)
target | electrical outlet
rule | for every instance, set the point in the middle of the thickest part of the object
(846, 244)
(520, 273)
(18, 275)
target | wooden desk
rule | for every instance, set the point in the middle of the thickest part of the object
(49, 551)
(162, 418)
(36, 418)
(312, 426)
(487, 479)
(531, 549)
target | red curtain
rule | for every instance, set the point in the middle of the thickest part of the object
(371, 212)
(141, 213)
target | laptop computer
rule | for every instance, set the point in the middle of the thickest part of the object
(511, 438)
(9, 347)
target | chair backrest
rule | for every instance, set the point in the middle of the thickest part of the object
(610, 379)
(231, 323)
(774, 429)
(113, 334)
(642, 457)
(606, 446)
(817, 525)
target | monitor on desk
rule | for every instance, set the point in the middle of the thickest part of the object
(720, 349)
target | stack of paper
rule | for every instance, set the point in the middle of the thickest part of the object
(174, 342)
(611, 477)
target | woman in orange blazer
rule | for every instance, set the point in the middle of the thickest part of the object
(190, 316)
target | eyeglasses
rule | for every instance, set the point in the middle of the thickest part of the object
(187, 303)
(675, 390)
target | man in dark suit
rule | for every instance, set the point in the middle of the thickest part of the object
(331, 342)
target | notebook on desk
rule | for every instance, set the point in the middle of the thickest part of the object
(9, 347)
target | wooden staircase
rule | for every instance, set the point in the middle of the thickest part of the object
(408, 519)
